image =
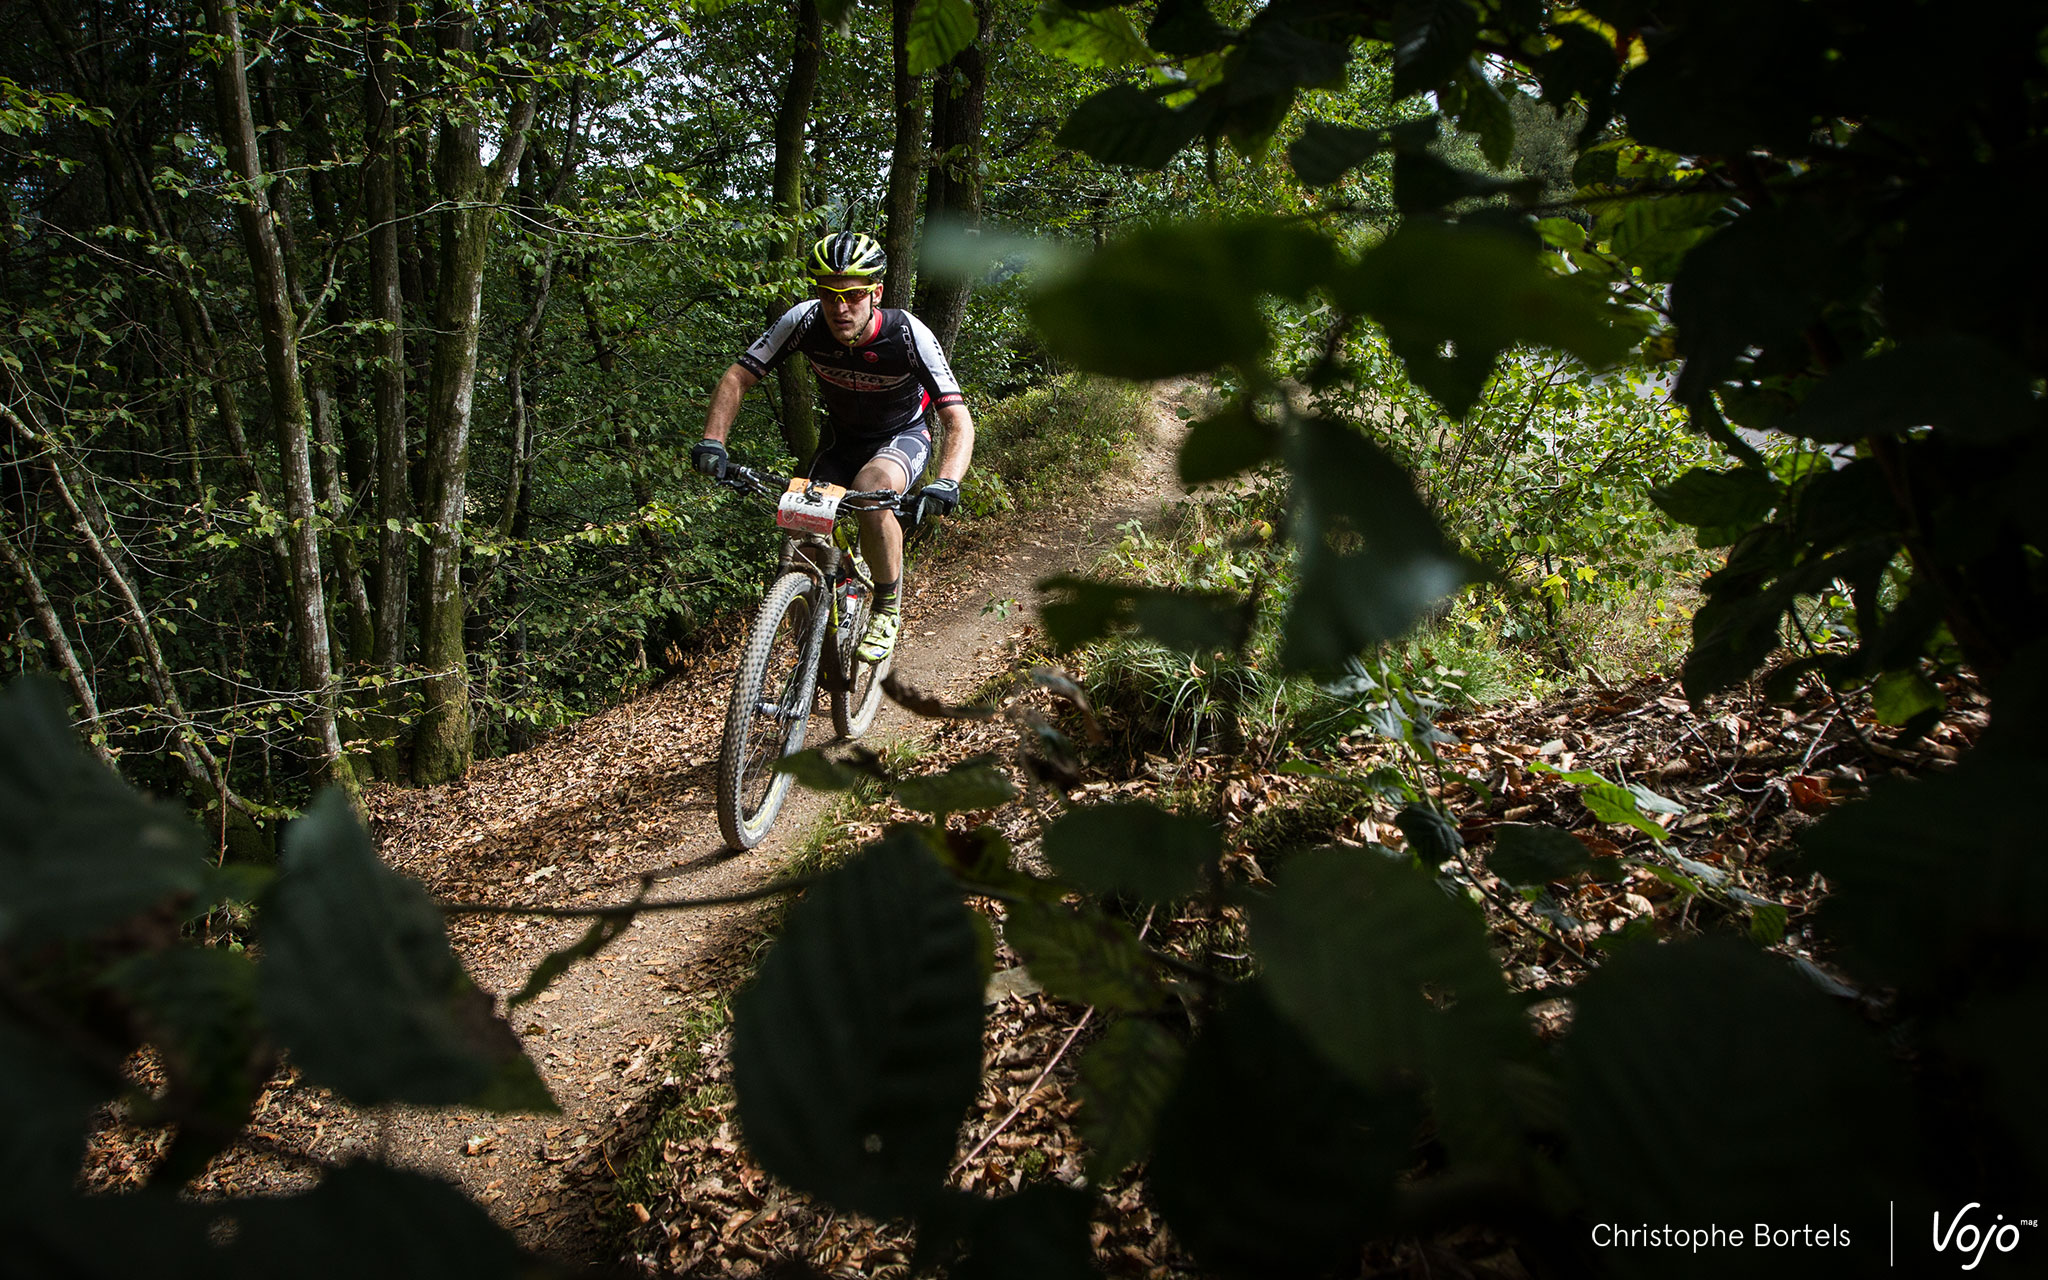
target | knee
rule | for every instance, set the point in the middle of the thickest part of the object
(880, 475)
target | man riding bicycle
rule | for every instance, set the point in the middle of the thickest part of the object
(880, 372)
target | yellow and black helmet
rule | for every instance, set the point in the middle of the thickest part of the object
(850, 253)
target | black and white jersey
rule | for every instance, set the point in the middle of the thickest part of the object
(873, 389)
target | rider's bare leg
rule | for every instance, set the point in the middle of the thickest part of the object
(881, 535)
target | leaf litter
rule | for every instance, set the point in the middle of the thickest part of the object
(584, 815)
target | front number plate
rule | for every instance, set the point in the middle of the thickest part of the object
(809, 508)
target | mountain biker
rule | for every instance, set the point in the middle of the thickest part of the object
(880, 372)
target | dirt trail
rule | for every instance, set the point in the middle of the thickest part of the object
(579, 820)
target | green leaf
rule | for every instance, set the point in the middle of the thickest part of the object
(1580, 65)
(1477, 292)
(1426, 183)
(1610, 803)
(46, 1097)
(1104, 38)
(1276, 58)
(1190, 621)
(1040, 1233)
(1181, 299)
(1125, 1079)
(1649, 801)
(1373, 962)
(1898, 696)
(819, 772)
(359, 984)
(1372, 558)
(1083, 955)
(55, 1231)
(1731, 638)
(857, 1050)
(368, 1219)
(1267, 1162)
(1706, 498)
(964, 788)
(1432, 41)
(80, 850)
(198, 1005)
(1937, 886)
(938, 29)
(1134, 850)
(1758, 283)
(1659, 1033)
(1487, 116)
(1186, 29)
(1532, 854)
(1324, 153)
(1653, 233)
(1960, 384)
(1127, 125)
(1225, 444)
(1767, 923)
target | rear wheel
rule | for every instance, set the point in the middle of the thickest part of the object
(769, 713)
(854, 707)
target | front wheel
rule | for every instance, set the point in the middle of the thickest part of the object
(769, 713)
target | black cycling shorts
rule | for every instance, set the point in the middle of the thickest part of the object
(841, 460)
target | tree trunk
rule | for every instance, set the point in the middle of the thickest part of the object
(279, 322)
(387, 377)
(953, 180)
(470, 193)
(355, 638)
(899, 233)
(197, 759)
(792, 118)
(59, 641)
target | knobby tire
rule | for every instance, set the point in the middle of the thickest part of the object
(750, 793)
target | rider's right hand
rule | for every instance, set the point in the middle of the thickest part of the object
(709, 458)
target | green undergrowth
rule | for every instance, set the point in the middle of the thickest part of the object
(689, 1108)
(1033, 449)
(830, 840)
(1477, 648)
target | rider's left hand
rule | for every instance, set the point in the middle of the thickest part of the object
(939, 498)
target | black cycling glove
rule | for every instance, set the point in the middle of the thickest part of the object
(709, 458)
(939, 498)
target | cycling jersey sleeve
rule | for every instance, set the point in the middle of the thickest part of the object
(933, 371)
(775, 346)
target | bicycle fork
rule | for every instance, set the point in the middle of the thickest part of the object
(822, 621)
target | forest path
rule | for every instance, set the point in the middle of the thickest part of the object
(580, 818)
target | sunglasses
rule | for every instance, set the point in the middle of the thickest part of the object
(852, 293)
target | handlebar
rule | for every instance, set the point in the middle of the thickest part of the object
(745, 479)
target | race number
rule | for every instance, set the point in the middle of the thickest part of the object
(808, 507)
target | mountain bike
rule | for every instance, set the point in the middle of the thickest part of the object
(805, 634)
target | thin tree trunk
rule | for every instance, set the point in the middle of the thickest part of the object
(792, 118)
(193, 755)
(279, 322)
(347, 566)
(59, 641)
(899, 234)
(471, 193)
(387, 379)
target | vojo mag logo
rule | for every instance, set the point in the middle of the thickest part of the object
(1965, 1236)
